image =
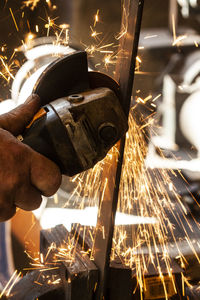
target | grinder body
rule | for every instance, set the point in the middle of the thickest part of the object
(77, 130)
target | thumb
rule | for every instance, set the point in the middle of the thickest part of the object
(15, 120)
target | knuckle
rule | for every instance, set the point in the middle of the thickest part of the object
(45, 176)
(28, 198)
(13, 152)
(53, 185)
(18, 151)
(12, 183)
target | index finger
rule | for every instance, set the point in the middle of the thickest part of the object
(15, 120)
(45, 174)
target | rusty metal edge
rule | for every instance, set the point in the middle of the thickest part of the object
(131, 23)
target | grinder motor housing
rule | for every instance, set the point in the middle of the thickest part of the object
(84, 118)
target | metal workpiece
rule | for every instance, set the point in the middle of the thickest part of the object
(125, 68)
(62, 276)
(80, 272)
(27, 287)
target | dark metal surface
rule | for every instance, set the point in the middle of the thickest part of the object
(131, 22)
(81, 274)
(123, 281)
(125, 68)
(65, 277)
(120, 281)
(27, 288)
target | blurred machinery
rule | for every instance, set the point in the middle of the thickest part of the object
(190, 8)
(172, 59)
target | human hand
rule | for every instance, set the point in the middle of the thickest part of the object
(25, 175)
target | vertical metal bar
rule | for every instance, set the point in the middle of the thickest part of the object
(130, 29)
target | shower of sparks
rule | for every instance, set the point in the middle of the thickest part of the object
(9, 64)
(61, 32)
(52, 261)
(54, 256)
(141, 195)
(107, 51)
(144, 192)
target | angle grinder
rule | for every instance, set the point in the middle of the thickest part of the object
(81, 117)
